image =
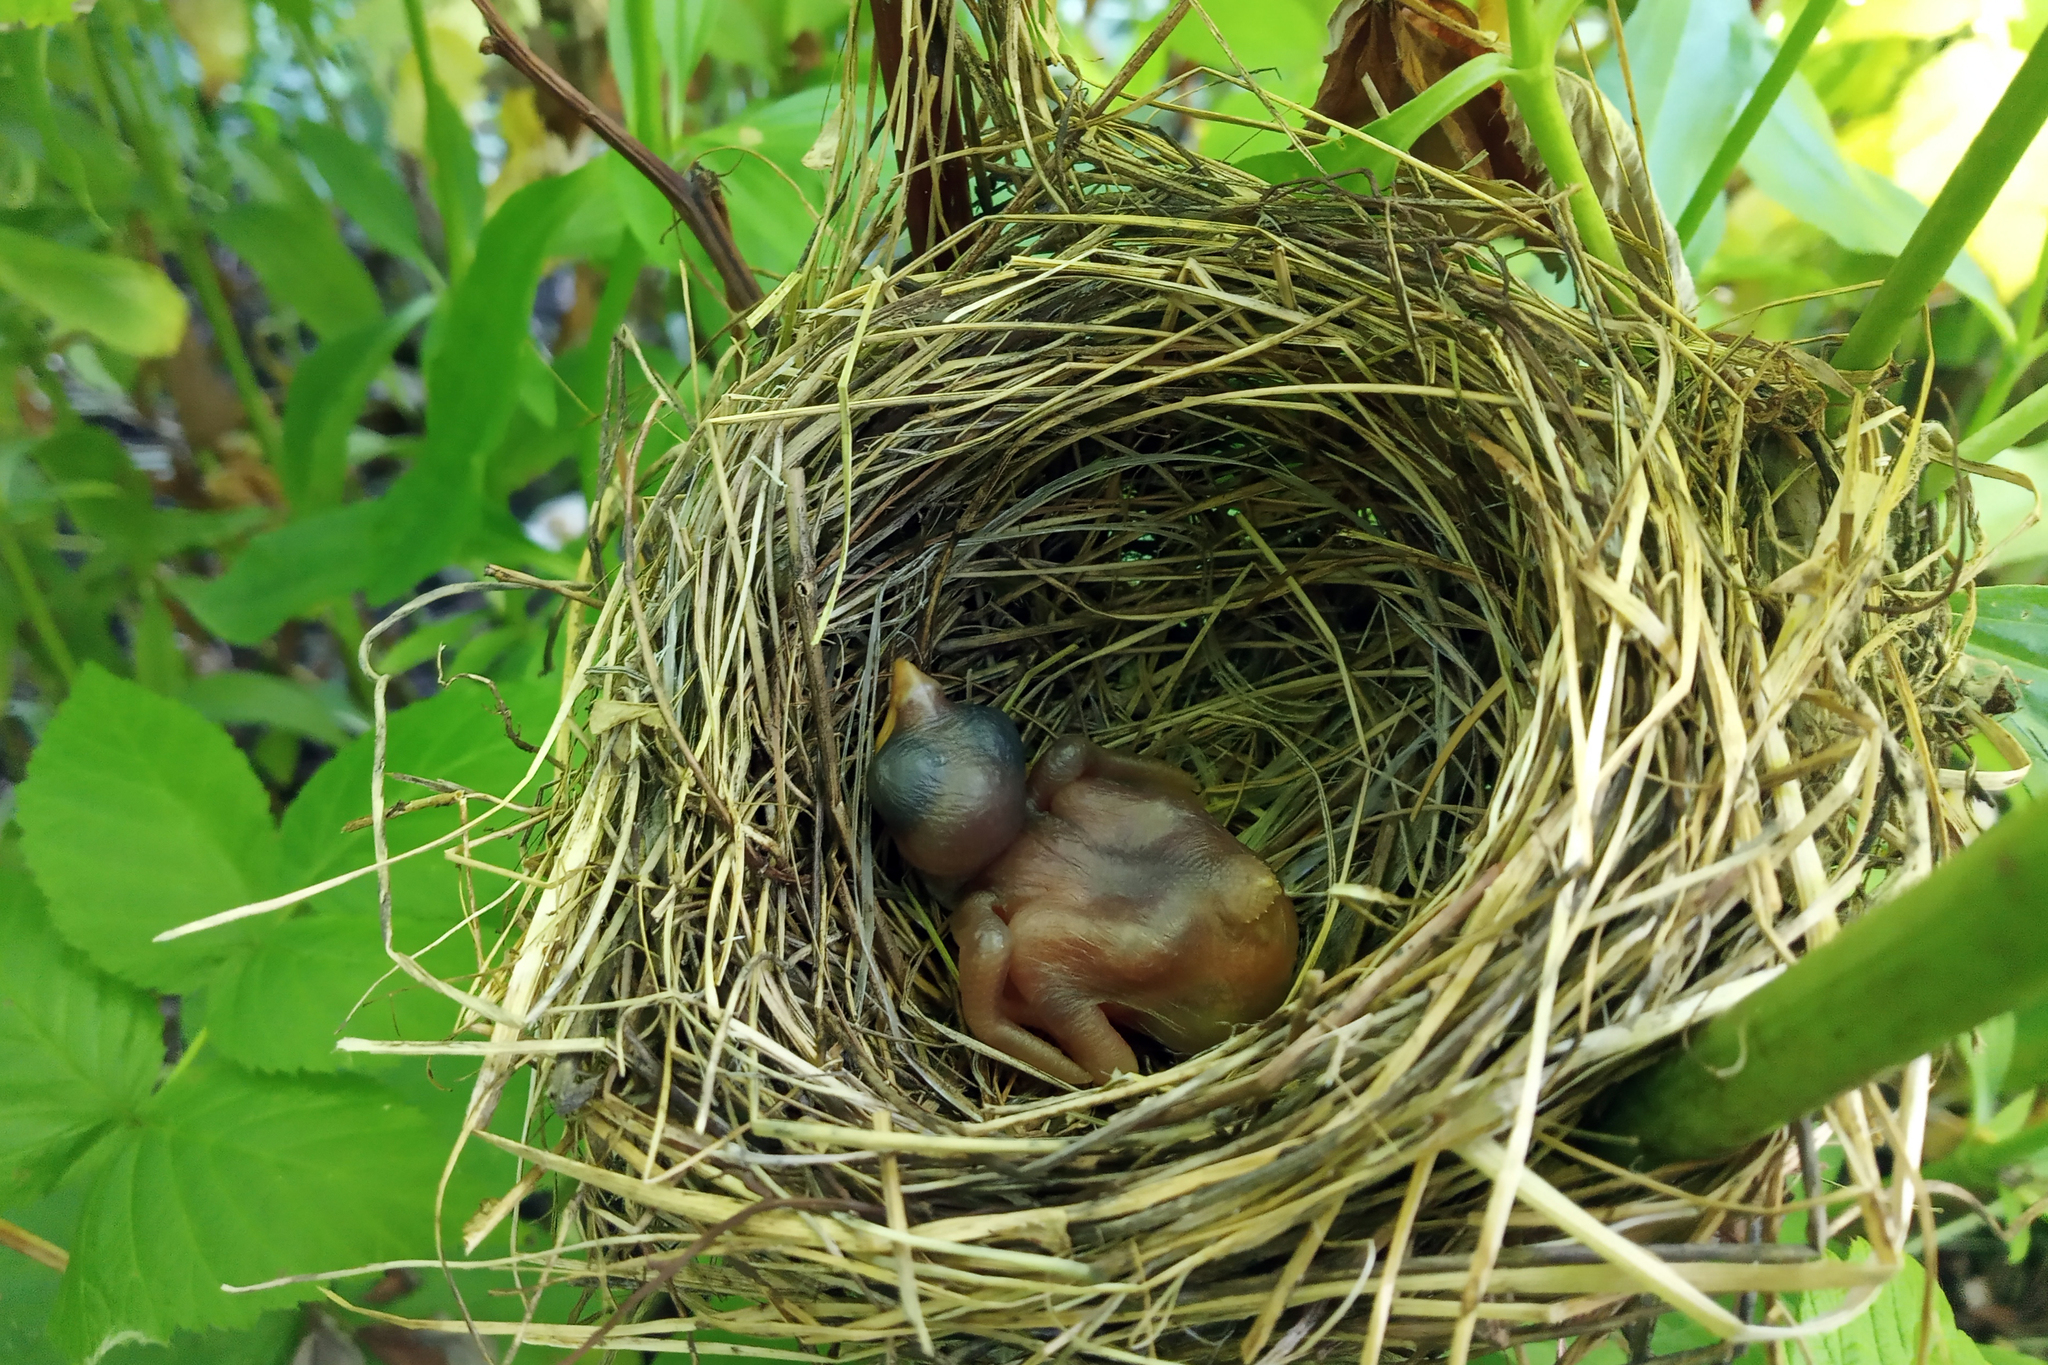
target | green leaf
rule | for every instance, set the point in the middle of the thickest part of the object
(79, 1051)
(1398, 129)
(2012, 631)
(1796, 162)
(473, 351)
(1888, 1332)
(106, 495)
(363, 189)
(326, 396)
(137, 815)
(282, 1001)
(1694, 64)
(236, 697)
(229, 1178)
(770, 193)
(1987, 1051)
(36, 12)
(303, 263)
(130, 305)
(28, 1288)
(287, 572)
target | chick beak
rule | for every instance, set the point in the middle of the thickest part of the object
(915, 698)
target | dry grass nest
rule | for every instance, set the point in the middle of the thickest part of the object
(1572, 677)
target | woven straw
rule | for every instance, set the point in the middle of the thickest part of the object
(1571, 675)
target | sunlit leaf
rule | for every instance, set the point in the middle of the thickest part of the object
(227, 1178)
(139, 814)
(130, 305)
(218, 33)
(37, 12)
(78, 1049)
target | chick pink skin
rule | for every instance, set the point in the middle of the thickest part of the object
(1118, 903)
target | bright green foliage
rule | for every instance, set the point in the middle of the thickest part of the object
(1794, 158)
(303, 263)
(327, 392)
(239, 697)
(78, 1050)
(184, 1199)
(364, 189)
(131, 305)
(137, 816)
(1888, 1332)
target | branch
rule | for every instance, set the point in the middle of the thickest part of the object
(1949, 953)
(706, 219)
(925, 105)
(1954, 215)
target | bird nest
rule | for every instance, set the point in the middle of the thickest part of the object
(1569, 672)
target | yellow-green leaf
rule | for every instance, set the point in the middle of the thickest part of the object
(130, 305)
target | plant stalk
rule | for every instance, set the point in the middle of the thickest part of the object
(1952, 951)
(1954, 215)
(34, 605)
(1533, 82)
(1797, 40)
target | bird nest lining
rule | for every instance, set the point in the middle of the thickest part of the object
(1507, 632)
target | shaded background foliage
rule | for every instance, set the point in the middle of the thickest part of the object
(306, 306)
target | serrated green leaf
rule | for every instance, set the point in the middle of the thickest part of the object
(236, 697)
(230, 1178)
(280, 1003)
(128, 304)
(326, 395)
(303, 263)
(2012, 631)
(139, 814)
(78, 1050)
(363, 188)
(1888, 1331)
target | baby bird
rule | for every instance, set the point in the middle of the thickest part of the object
(1094, 893)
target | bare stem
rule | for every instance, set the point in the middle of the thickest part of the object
(1797, 40)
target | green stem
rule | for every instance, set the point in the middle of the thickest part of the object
(2023, 352)
(2015, 422)
(1797, 41)
(1958, 948)
(456, 229)
(33, 602)
(1533, 82)
(185, 238)
(1951, 219)
(650, 124)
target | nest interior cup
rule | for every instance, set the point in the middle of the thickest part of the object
(1504, 630)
